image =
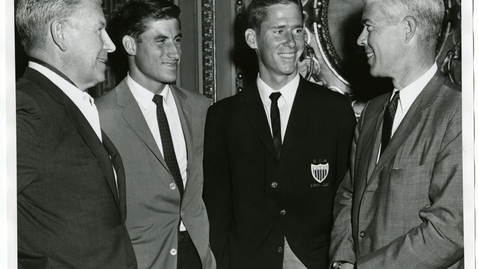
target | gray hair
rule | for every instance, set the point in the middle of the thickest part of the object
(33, 18)
(428, 13)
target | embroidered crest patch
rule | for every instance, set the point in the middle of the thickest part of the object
(320, 170)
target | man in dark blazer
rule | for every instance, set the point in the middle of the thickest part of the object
(269, 189)
(401, 204)
(167, 218)
(70, 181)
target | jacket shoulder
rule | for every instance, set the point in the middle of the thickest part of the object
(108, 102)
(106, 98)
(199, 98)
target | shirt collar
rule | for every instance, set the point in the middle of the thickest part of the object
(51, 68)
(410, 92)
(144, 97)
(288, 91)
(65, 85)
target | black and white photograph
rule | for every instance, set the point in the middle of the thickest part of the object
(237, 134)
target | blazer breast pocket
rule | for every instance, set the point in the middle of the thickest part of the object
(409, 186)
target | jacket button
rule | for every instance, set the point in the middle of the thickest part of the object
(172, 186)
(274, 184)
(282, 212)
(362, 234)
(173, 251)
(279, 249)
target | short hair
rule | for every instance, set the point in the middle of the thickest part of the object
(428, 13)
(257, 11)
(135, 14)
(33, 18)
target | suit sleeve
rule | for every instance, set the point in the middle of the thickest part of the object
(217, 191)
(346, 133)
(341, 241)
(30, 130)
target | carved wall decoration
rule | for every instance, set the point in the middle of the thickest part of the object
(208, 42)
(245, 59)
(449, 50)
(240, 22)
(335, 26)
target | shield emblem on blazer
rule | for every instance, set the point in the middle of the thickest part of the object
(319, 171)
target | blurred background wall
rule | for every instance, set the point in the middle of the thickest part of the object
(217, 62)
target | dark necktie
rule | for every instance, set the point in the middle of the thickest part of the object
(167, 141)
(388, 117)
(275, 121)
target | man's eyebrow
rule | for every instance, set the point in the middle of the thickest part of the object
(283, 26)
(161, 36)
(278, 26)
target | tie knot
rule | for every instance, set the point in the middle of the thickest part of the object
(158, 100)
(394, 102)
(396, 97)
(275, 96)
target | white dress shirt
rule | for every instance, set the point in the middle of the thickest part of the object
(408, 96)
(284, 102)
(144, 98)
(82, 99)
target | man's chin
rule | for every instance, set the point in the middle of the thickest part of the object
(97, 81)
(374, 72)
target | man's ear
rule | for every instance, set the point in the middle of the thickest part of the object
(129, 44)
(58, 34)
(251, 38)
(410, 28)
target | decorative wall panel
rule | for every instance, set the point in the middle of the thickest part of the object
(208, 43)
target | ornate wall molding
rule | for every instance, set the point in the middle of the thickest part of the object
(319, 19)
(334, 26)
(208, 43)
(449, 49)
(239, 11)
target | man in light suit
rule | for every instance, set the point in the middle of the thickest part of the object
(71, 200)
(158, 129)
(272, 167)
(401, 203)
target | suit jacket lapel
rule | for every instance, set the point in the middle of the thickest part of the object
(186, 117)
(134, 117)
(374, 140)
(255, 114)
(98, 149)
(82, 125)
(120, 173)
(299, 117)
(410, 121)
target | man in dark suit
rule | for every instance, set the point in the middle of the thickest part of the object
(401, 204)
(275, 153)
(158, 129)
(70, 181)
